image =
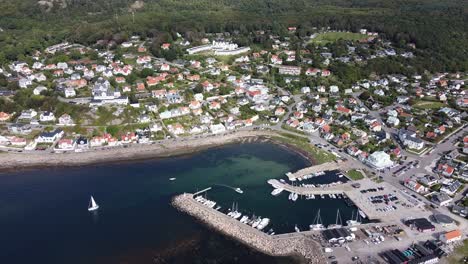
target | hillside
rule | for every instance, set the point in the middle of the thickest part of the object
(436, 27)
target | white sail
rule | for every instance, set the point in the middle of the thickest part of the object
(92, 205)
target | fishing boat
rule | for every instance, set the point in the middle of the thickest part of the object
(93, 206)
(276, 192)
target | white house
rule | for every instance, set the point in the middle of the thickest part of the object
(65, 120)
(217, 129)
(70, 92)
(379, 160)
(49, 137)
(46, 117)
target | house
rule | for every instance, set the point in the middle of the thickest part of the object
(343, 110)
(451, 236)
(445, 169)
(217, 129)
(65, 120)
(46, 117)
(312, 72)
(451, 188)
(176, 129)
(428, 180)
(379, 160)
(49, 137)
(280, 111)
(165, 46)
(409, 139)
(4, 116)
(289, 70)
(66, 144)
(69, 92)
(17, 141)
(393, 121)
(28, 114)
(415, 186)
(441, 199)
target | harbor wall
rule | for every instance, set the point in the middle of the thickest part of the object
(271, 245)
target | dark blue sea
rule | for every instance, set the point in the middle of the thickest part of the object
(44, 216)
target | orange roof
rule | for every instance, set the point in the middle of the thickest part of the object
(453, 234)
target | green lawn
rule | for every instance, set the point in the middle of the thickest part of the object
(324, 38)
(428, 105)
(459, 254)
(318, 155)
(355, 175)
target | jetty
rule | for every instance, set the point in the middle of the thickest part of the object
(333, 165)
(274, 245)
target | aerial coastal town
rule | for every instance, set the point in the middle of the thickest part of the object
(401, 140)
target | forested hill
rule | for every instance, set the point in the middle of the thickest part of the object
(438, 27)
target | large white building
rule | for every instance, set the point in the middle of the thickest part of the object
(379, 160)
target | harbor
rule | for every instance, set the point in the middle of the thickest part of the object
(269, 244)
(328, 166)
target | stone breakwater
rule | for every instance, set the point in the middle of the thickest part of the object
(271, 245)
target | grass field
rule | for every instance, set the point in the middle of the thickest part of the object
(318, 155)
(355, 175)
(459, 254)
(428, 105)
(324, 38)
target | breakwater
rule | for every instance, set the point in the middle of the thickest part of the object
(271, 245)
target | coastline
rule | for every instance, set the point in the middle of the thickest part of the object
(134, 152)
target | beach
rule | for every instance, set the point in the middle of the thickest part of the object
(131, 152)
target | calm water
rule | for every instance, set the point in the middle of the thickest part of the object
(44, 217)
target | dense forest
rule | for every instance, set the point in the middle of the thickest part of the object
(437, 27)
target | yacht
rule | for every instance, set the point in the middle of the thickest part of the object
(263, 223)
(256, 222)
(353, 221)
(93, 206)
(244, 219)
(276, 192)
(317, 225)
(338, 222)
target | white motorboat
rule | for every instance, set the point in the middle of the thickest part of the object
(297, 229)
(294, 197)
(172, 179)
(263, 223)
(238, 190)
(93, 206)
(276, 192)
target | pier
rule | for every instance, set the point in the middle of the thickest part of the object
(341, 165)
(202, 191)
(271, 245)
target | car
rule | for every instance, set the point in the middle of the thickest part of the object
(331, 257)
(334, 262)
(354, 258)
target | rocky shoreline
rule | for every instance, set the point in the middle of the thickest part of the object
(271, 245)
(14, 161)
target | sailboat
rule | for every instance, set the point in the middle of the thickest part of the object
(92, 205)
(338, 223)
(317, 223)
(352, 221)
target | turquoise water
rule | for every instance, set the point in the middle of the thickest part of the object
(44, 217)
